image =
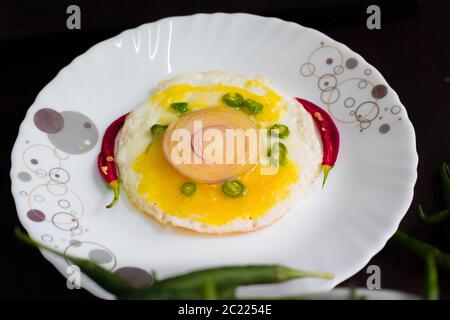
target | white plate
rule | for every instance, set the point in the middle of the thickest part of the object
(60, 197)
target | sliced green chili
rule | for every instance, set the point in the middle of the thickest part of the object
(188, 188)
(157, 129)
(233, 99)
(283, 131)
(278, 154)
(233, 188)
(180, 107)
(254, 107)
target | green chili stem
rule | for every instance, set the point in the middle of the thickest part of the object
(435, 218)
(422, 249)
(432, 281)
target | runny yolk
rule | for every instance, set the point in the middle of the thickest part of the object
(161, 184)
(200, 97)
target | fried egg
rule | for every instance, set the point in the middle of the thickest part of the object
(153, 180)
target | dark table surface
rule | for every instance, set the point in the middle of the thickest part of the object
(411, 50)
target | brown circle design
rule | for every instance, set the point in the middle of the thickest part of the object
(59, 175)
(136, 276)
(307, 69)
(351, 63)
(36, 215)
(327, 82)
(395, 109)
(48, 120)
(379, 91)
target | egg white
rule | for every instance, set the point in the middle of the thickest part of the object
(303, 145)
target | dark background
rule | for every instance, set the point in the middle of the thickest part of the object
(411, 50)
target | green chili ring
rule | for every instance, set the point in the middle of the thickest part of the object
(283, 131)
(254, 107)
(233, 99)
(233, 188)
(180, 107)
(188, 188)
(158, 129)
(278, 154)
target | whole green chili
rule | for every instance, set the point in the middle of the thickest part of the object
(435, 218)
(208, 283)
(422, 249)
(431, 279)
(443, 214)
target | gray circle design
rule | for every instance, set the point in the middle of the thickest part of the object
(58, 154)
(367, 72)
(100, 256)
(364, 112)
(52, 188)
(46, 238)
(29, 157)
(71, 223)
(396, 109)
(75, 137)
(77, 232)
(364, 124)
(327, 82)
(351, 63)
(349, 102)
(63, 203)
(362, 84)
(24, 176)
(41, 173)
(339, 69)
(59, 175)
(307, 69)
(136, 276)
(77, 243)
(331, 96)
(384, 128)
(39, 198)
(23, 193)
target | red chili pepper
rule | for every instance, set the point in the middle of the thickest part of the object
(328, 133)
(106, 164)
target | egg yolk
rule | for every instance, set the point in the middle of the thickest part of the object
(160, 184)
(205, 96)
